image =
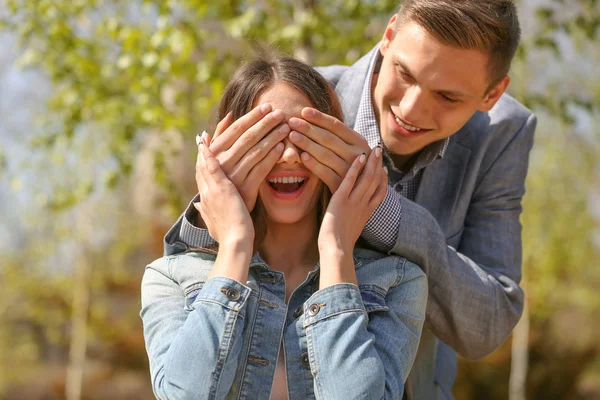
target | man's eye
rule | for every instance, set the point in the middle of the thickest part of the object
(449, 99)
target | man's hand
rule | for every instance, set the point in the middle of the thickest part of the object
(329, 145)
(247, 150)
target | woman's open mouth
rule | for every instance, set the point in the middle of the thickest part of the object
(287, 187)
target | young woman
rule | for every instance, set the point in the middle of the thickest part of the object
(287, 308)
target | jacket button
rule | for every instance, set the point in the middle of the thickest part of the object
(313, 309)
(233, 294)
(298, 312)
(304, 360)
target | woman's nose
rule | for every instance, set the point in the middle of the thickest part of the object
(291, 154)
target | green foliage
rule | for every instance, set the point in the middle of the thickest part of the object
(129, 68)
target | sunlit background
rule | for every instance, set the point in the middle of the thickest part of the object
(100, 101)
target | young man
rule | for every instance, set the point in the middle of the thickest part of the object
(456, 147)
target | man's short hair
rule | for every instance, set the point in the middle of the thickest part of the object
(490, 26)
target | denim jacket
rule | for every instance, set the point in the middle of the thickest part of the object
(219, 339)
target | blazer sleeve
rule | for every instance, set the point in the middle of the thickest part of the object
(192, 348)
(474, 295)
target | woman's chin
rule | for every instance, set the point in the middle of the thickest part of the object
(282, 217)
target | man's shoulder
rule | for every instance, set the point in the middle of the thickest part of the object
(332, 73)
(505, 120)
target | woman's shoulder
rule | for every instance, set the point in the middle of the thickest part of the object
(184, 267)
(373, 267)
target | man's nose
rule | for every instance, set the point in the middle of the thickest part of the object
(414, 105)
(291, 154)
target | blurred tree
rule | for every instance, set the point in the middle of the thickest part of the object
(124, 69)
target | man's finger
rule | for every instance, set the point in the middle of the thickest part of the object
(323, 154)
(226, 139)
(321, 171)
(324, 138)
(333, 125)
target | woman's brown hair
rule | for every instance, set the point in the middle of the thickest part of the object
(254, 78)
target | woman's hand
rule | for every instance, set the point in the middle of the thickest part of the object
(249, 148)
(349, 210)
(225, 215)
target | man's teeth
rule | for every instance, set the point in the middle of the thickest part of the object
(287, 179)
(407, 127)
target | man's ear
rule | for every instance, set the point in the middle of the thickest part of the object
(388, 35)
(490, 99)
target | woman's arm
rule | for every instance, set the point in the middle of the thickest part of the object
(192, 349)
(364, 346)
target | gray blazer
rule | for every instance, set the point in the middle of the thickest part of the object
(463, 229)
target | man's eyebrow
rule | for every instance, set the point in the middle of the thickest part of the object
(449, 93)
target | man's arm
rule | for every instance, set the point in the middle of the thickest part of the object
(474, 295)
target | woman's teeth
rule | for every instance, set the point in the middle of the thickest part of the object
(287, 179)
(407, 127)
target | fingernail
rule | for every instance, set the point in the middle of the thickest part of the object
(305, 156)
(294, 136)
(378, 151)
(265, 108)
(277, 114)
(285, 128)
(363, 157)
(310, 112)
(385, 170)
(198, 139)
(279, 146)
(294, 122)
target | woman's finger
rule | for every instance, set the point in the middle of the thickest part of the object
(223, 125)
(351, 176)
(380, 192)
(260, 171)
(236, 129)
(366, 177)
(374, 182)
(256, 154)
(322, 171)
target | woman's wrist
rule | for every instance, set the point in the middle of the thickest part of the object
(337, 266)
(233, 259)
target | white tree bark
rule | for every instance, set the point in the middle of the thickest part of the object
(81, 299)
(520, 356)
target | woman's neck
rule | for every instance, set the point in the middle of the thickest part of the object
(291, 248)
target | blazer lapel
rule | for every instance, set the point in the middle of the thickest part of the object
(350, 86)
(441, 184)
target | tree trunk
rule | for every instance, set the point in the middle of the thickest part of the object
(520, 356)
(81, 298)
